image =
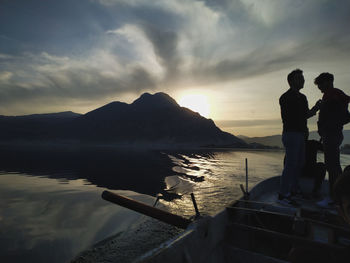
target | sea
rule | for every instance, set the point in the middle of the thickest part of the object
(51, 208)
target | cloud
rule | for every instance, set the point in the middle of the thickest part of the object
(137, 48)
(165, 47)
(49, 78)
(271, 59)
(272, 123)
(99, 49)
(5, 76)
(247, 123)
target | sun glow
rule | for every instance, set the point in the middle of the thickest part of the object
(196, 102)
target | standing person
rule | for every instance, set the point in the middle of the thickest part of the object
(294, 112)
(332, 116)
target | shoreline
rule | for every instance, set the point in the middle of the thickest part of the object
(135, 146)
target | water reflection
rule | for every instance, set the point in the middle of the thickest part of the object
(42, 221)
(139, 171)
(50, 198)
(50, 204)
(222, 172)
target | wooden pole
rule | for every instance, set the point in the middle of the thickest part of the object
(246, 175)
(195, 205)
(142, 208)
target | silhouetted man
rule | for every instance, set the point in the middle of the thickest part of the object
(294, 112)
(332, 116)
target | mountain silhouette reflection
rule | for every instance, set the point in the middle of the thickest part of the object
(136, 170)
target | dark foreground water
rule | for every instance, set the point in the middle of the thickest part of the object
(50, 204)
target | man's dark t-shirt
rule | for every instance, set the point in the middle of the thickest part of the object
(333, 112)
(294, 110)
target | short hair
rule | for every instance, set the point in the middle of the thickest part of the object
(324, 77)
(342, 185)
(291, 76)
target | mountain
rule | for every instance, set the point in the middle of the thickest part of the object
(150, 119)
(46, 116)
(276, 140)
(272, 141)
(36, 126)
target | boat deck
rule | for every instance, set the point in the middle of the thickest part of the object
(270, 200)
(267, 192)
(258, 230)
(265, 196)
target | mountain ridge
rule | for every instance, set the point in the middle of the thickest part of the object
(151, 119)
(276, 140)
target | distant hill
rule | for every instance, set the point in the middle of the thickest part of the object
(272, 141)
(50, 126)
(153, 118)
(276, 140)
(47, 116)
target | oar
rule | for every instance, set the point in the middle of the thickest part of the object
(142, 208)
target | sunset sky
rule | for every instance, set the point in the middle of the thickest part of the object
(231, 57)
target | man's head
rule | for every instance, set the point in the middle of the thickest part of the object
(296, 79)
(324, 81)
(342, 193)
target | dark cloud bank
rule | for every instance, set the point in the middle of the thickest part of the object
(29, 29)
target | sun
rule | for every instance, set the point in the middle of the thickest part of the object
(196, 102)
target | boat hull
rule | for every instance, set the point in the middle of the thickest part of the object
(254, 230)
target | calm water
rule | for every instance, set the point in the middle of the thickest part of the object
(50, 204)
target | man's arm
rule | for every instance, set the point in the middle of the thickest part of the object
(314, 109)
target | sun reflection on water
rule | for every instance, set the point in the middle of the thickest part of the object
(222, 172)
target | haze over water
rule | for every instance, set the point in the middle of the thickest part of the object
(50, 204)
